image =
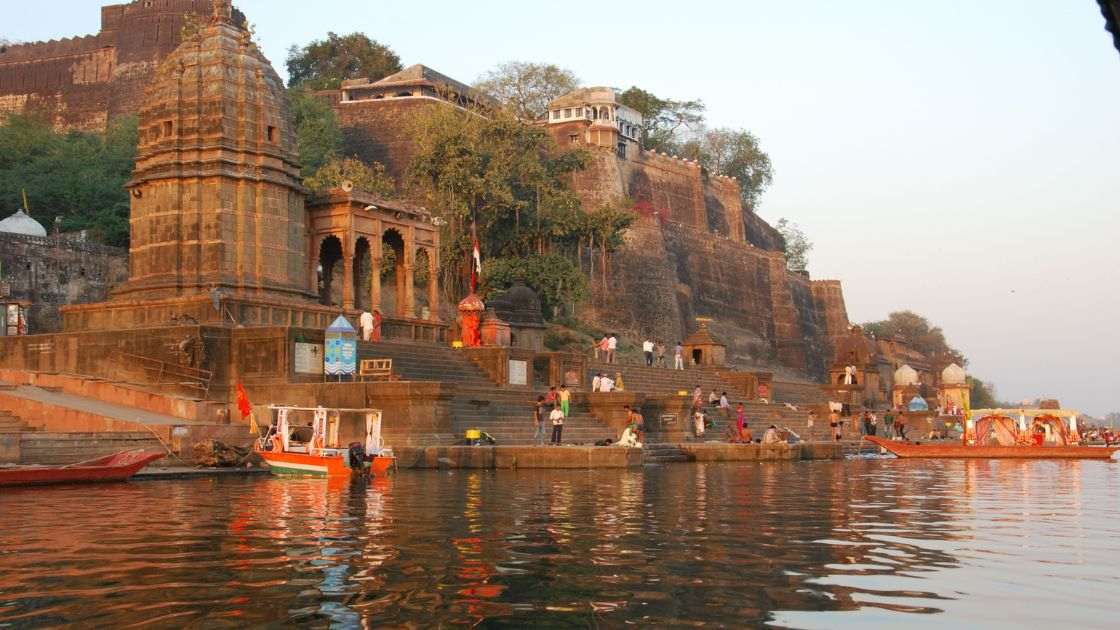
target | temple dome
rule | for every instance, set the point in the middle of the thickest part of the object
(519, 305)
(953, 374)
(905, 375)
(20, 223)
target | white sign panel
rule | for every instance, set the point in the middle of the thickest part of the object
(309, 358)
(518, 372)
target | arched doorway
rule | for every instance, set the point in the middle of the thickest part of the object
(393, 273)
(330, 274)
(363, 264)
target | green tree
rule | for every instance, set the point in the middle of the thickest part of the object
(663, 120)
(982, 395)
(318, 135)
(325, 63)
(76, 176)
(797, 245)
(917, 331)
(369, 178)
(507, 177)
(734, 153)
(554, 277)
(526, 88)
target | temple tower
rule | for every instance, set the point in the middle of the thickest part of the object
(216, 195)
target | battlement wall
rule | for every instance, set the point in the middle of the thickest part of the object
(85, 82)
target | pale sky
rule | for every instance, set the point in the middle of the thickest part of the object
(958, 158)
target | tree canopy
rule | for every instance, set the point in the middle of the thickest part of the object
(917, 331)
(370, 178)
(797, 245)
(734, 153)
(325, 63)
(663, 120)
(527, 88)
(510, 179)
(77, 176)
(318, 135)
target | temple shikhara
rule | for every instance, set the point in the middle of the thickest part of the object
(235, 270)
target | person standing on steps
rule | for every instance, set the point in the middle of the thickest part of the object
(565, 397)
(597, 382)
(660, 354)
(612, 348)
(678, 357)
(538, 421)
(601, 351)
(550, 397)
(557, 418)
(647, 350)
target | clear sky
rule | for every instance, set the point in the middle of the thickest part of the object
(959, 158)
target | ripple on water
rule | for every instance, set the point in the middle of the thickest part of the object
(814, 545)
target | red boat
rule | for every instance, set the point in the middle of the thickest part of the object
(999, 437)
(117, 467)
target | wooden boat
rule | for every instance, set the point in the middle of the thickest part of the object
(318, 452)
(999, 437)
(118, 467)
(953, 451)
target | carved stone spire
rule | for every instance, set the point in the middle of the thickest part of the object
(223, 11)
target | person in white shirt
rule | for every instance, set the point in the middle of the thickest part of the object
(557, 418)
(647, 348)
(365, 322)
(612, 346)
(678, 357)
(597, 382)
(606, 384)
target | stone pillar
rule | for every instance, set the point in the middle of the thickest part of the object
(347, 274)
(409, 309)
(433, 286)
(313, 266)
(374, 281)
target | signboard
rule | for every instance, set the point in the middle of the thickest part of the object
(308, 358)
(518, 372)
(340, 352)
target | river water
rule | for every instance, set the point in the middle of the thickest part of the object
(800, 544)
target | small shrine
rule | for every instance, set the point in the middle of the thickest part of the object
(520, 307)
(702, 349)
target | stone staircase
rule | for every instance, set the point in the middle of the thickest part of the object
(663, 453)
(44, 448)
(11, 424)
(506, 413)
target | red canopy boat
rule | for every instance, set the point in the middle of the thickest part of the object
(999, 437)
(117, 467)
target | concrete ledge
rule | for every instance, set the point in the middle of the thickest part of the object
(490, 457)
(720, 452)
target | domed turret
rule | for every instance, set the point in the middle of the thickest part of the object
(905, 375)
(20, 223)
(953, 374)
(217, 199)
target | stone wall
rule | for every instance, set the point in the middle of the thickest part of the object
(51, 272)
(85, 82)
(381, 131)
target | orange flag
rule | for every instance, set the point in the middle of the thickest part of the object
(243, 404)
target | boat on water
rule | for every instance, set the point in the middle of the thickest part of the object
(1000, 437)
(118, 467)
(316, 447)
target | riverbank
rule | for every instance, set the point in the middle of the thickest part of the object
(590, 457)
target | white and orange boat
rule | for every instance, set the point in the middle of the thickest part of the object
(1000, 437)
(315, 449)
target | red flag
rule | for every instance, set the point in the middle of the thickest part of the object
(243, 404)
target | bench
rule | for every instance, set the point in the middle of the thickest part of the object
(376, 369)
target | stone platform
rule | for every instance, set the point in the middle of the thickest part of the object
(588, 457)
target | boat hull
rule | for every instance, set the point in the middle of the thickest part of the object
(114, 468)
(320, 466)
(959, 451)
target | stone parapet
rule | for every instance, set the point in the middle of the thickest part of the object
(526, 457)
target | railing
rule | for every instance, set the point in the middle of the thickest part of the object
(165, 373)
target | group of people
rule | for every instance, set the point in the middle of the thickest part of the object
(603, 383)
(894, 423)
(556, 405)
(654, 352)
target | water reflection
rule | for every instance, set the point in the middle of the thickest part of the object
(818, 545)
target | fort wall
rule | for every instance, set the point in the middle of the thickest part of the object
(83, 83)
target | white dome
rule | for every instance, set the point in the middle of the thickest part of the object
(905, 375)
(953, 374)
(20, 223)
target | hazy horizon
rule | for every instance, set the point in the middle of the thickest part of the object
(947, 158)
